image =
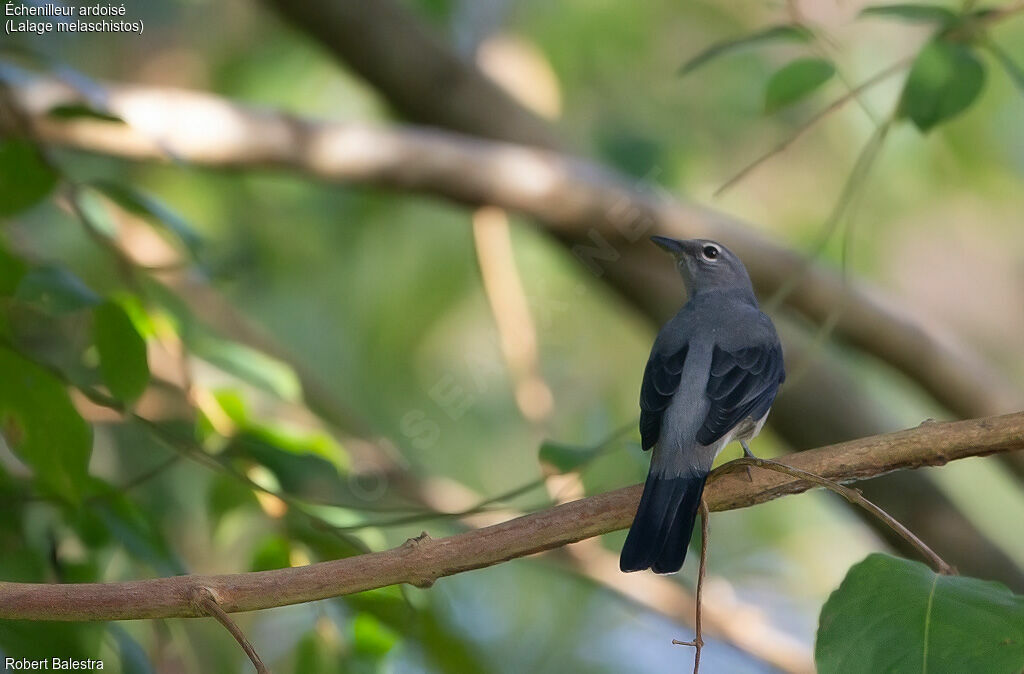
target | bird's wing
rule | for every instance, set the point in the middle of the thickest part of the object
(661, 380)
(742, 383)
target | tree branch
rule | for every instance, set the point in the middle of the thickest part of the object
(598, 214)
(422, 78)
(423, 560)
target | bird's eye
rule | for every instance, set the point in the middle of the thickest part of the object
(711, 252)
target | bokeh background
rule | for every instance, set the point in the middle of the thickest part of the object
(381, 296)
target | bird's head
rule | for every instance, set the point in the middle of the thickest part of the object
(706, 265)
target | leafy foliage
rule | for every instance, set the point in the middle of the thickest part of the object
(25, 178)
(945, 79)
(895, 615)
(122, 352)
(783, 33)
(795, 81)
(43, 428)
(562, 458)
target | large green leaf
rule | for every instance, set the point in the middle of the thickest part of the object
(945, 79)
(25, 178)
(786, 32)
(794, 81)
(122, 351)
(894, 615)
(42, 427)
(913, 13)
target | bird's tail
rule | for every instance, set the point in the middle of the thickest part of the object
(663, 524)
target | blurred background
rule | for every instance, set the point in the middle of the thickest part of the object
(390, 363)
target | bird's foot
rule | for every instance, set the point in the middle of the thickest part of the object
(750, 455)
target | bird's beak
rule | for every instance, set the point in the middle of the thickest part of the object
(673, 246)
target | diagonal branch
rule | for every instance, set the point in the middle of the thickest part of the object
(598, 214)
(421, 77)
(421, 561)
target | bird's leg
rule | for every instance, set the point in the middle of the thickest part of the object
(750, 455)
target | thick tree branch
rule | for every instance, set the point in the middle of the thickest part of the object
(423, 560)
(424, 80)
(603, 218)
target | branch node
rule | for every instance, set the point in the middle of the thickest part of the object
(416, 541)
(206, 602)
(423, 583)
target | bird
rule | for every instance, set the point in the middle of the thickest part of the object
(711, 378)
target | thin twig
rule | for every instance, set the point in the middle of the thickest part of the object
(813, 121)
(851, 495)
(698, 637)
(851, 190)
(207, 601)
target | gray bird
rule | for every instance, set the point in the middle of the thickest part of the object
(712, 376)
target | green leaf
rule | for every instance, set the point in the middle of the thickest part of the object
(914, 13)
(55, 290)
(249, 365)
(894, 615)
(299, 464)
(42, 427)
(794, 81)
(122, 351)
(943, 82)
(152, 209)
(226, 493)
(81, 111)
(25, 178)
(12, 269)
(565, 458)
(41, 640)
(273, 553)
(787, 32)
(372, 637)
